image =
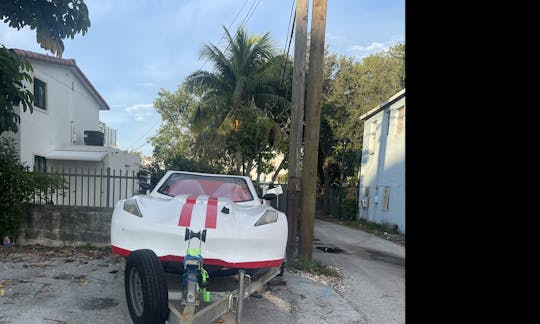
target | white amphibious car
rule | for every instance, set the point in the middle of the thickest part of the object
(242, 231)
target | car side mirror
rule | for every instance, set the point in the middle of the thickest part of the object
(145, 186)
(269, 196)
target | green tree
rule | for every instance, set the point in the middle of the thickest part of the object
(244, 77)
(53, 20)
(13, 73)
(175, 145)
(350, 89)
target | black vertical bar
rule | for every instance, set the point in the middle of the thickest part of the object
(82, 187)
(120, 187)
(50, 189)
(57, 190)
(108, 185)
(101, 188)
(94, 205)
(127, 178)
(114, 184)
(133, 182)
(88, 187)
(75, 193)
(63, 187)
(69, 189)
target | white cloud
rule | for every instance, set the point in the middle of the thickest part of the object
(375, 47)
(141, 112)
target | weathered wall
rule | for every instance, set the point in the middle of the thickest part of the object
(52, 225)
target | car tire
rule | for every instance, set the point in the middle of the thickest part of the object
(146, 288)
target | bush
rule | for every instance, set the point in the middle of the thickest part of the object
(18, 187)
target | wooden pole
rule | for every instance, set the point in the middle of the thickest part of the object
(297, 119)
(313, 125)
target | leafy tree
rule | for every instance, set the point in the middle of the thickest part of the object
(175, 144)
(19, 187)
(245, 77)
(12, 77)
(350, 89)
(53, 20)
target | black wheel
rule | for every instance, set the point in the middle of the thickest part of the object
(146, 288)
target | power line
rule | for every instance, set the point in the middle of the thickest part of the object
(246, 19)
(248, 16)
(230, 25)
(290, 40)
(143, 135)
(250, 12)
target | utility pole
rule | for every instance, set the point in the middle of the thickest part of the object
(313, 126)
(297, 118)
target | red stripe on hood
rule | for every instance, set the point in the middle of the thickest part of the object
(187, 211)
(211, 213)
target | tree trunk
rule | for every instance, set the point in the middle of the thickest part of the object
(238, 158)
(249, 167)
(277, 170)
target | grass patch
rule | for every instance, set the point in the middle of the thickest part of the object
(370, 227)
(312, 267)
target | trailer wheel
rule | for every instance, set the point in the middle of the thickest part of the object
(146, 288)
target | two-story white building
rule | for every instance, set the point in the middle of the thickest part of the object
(64, 131)
(382, 170)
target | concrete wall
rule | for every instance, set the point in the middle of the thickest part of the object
(51, 225)
(383, 166)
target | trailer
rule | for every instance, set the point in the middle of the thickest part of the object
(220, 302)
(150, 300)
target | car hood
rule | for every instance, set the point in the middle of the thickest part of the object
(198, 212)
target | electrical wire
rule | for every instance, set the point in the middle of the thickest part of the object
(223, 36)
(290, 41)
(143, 135)
(243, 23)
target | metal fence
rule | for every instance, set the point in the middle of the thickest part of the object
(90, 187)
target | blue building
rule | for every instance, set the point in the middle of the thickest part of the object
(382, 170)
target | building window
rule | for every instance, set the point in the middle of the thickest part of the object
(400, 120)
(372, 137)
(386, 200)
(40, 163)
(40, 94)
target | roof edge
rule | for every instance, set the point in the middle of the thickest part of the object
(385, 103)
(69, 63)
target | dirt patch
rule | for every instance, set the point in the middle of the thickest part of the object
(36, 253)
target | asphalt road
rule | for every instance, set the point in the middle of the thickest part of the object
(374, 270)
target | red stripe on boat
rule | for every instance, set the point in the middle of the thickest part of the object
(187, 211)
(211, 213)
(218, 262)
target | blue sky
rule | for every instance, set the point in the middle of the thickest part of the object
(135, 47)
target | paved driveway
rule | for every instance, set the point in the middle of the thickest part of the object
(374, 270)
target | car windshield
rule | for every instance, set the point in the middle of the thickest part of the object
(233, 188)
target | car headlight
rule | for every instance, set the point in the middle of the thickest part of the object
(130, 205)
(269, 216)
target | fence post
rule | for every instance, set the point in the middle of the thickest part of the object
(108, 185)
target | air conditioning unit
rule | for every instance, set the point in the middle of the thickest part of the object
(94, 138)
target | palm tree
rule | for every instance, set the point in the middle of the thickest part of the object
(244, 77)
